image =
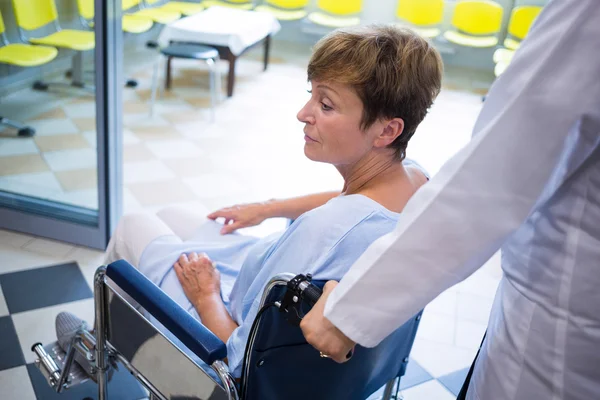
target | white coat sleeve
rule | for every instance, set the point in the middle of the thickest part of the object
(454, 223)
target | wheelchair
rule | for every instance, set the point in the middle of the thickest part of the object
(139, 327)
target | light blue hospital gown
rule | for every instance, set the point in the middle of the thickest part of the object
(325, 242)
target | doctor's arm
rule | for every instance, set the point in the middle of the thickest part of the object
(549, 94)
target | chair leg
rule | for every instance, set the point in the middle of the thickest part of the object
(22, 130)
(77, 77)
(168, 78)
(219, 80)
(389, 388)
(213, 92)
(154, 85)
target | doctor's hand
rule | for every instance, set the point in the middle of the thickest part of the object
(241, 216)
(322, 334)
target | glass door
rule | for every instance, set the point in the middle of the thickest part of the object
(60, 136)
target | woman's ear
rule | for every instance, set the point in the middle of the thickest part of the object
(390, 132)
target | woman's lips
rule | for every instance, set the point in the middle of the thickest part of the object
(308, 139)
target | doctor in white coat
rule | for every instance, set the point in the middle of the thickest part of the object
(528, 182)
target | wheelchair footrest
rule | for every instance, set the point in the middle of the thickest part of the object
(57, 355)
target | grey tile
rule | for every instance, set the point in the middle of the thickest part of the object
(415, 375)
(3, 307)
(43, 287)
(454, 380)
(431, 390)
(10, 352)
(440, 359)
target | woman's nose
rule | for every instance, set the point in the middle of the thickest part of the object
(304, 115)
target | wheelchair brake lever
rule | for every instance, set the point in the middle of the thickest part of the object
(299, 289)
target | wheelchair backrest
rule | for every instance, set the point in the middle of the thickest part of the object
(282, 365)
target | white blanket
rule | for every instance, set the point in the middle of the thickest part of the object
(221, 26)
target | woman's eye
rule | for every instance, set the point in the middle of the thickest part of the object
(309, 91)
(325, 107)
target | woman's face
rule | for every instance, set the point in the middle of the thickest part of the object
(332, 130)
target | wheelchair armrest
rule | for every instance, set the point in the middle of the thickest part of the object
(179, 322)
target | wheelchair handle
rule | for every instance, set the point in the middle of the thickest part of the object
(309, 292)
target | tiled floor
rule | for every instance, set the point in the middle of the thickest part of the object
(179, 157)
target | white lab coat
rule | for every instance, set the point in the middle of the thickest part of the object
(528, 181)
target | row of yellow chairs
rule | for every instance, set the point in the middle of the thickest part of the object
(331, 13)
(32, 15)
(475, 23)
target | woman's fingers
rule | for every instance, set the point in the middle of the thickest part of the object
(183, 259)
(193, 256)
(227, 212)
(229, 228)
(216, 214)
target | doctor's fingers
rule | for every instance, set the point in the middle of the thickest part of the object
(329, 286)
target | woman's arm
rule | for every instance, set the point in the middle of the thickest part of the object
(296, 206)
(246, 215)
(215, 316)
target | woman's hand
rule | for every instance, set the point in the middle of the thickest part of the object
(241, 216)
(198, 276)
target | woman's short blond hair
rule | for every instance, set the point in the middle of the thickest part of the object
(395, 72)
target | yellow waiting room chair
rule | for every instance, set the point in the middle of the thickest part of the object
(424, 16)
(285, 10)
(32, 15)
(22, 55)
(240, 4)
(130, 23)
(476, 23)
(137, 8)
(336, 13)
(186, 8)
(521, 19)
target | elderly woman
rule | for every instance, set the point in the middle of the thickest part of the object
(371, 87)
